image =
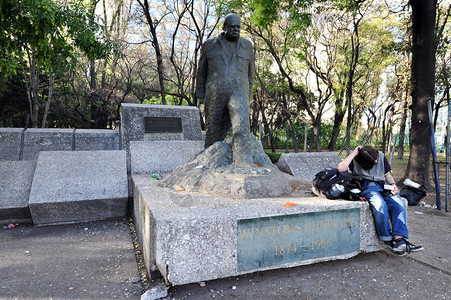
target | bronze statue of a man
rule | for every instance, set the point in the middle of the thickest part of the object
(224, 84)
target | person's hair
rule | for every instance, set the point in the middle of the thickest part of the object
(367, 157)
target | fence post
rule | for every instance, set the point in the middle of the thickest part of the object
(448, 149)
(434, 159)
(393, 149)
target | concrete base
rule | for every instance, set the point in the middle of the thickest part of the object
(192, 237)
(15, 183)
(79, 186)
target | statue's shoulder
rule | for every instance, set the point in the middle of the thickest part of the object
(211, 41)
(245, 43)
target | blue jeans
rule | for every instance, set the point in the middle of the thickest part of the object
(385, 209)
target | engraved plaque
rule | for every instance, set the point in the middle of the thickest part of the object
(162, 125)
(269, 241)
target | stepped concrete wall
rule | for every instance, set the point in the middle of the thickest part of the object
(10, 143)
(26, 143)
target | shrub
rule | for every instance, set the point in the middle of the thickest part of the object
(274, 157)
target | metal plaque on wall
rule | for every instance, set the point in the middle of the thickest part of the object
(162, 125)
(276, 240)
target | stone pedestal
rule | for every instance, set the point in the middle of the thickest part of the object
(192, 237)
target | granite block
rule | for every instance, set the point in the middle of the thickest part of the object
(305, 165)
(133, 122)
(78, 186)
(45, 139)
(192, 237)
(162, 156)
(10, 140)
(15, 184)
(97, 139)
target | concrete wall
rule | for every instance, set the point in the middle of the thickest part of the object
(25, 144)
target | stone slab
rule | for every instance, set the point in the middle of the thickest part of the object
(193, 237)
(10, 140)
(15, 182)
(305, 165)
(133, 120)
(97, 139)
(79, 186)
(44, 139)
(161, 156)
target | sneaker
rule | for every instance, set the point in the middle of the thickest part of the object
(389, 244)
(399, 246)
(411, 247)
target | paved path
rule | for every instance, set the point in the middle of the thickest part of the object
(380, 275)
(96, 261)
(80, 261)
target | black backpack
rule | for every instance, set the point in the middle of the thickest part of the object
(412, 194)
(332, 184)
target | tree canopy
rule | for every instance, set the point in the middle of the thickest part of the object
(55, 33)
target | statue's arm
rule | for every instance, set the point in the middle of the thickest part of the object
(201, 78)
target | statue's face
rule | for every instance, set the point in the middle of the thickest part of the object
(232, 26)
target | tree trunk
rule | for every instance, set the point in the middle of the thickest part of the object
(156, 45)
(402, 129)
(355, 41)
(386, 130)
(92, 95)
(254, 116)
(293, 136)
(358, 124)
(316, 136)
(423, 76)
(268, 132)
(49, 99)
(338, 119)
(34, 90)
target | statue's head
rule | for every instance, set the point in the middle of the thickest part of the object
(232, 26)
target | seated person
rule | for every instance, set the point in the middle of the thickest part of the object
(372, 170)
